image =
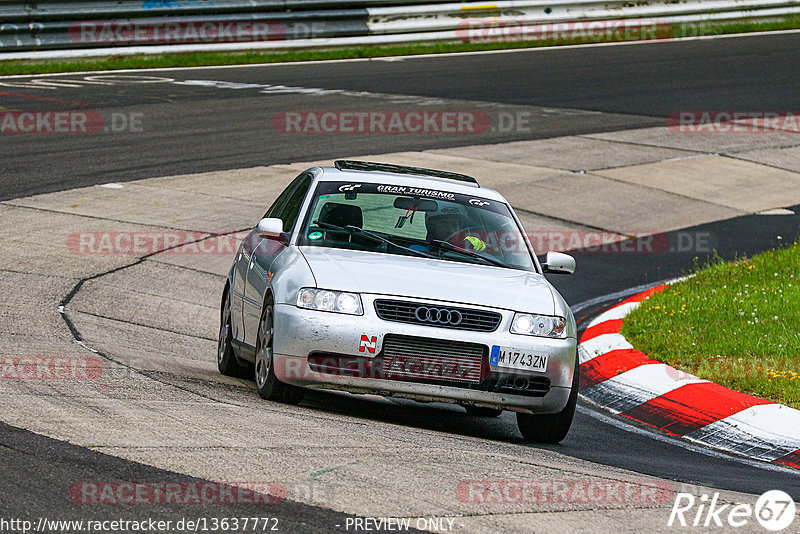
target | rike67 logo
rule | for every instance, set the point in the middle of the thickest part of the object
(774, 510)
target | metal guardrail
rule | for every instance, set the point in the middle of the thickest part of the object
(32, 12)
(433, 17)
(125, 27)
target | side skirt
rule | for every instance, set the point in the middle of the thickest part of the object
(243, 351)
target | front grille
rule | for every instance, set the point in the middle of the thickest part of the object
(438, 315)
(425, 359)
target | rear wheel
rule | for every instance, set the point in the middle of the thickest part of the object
(551, 428)
(227, 363)
(268, 385)
(481, 411)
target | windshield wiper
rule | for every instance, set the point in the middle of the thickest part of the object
(448, 246)
(350, 229)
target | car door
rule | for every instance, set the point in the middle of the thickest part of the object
(237, 291)
(243, 260)
(264, 253)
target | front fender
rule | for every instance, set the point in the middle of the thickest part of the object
(290, 272)
(563, 309)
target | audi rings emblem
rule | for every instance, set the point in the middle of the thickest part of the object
(438, 316)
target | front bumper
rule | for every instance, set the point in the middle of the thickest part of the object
(305, 339)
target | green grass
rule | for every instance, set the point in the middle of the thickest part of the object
(737, 324)
(242, 58)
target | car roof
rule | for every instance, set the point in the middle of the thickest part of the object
(333, 174)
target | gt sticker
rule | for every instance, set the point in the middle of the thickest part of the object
(349, 187)
(476, 202)
(403, 190)
(368, 343)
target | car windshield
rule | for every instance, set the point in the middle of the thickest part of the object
(410, 221)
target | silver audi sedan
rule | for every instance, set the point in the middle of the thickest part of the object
(401, 281)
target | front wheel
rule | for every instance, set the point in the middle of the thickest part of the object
(268, 385)
(551, 428)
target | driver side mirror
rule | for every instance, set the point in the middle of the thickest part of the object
(558, 263)
(272, 228)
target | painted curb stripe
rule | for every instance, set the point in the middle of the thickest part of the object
(602, 345)
(612, 326)
(617, 312)
(637, 386)
(792, 459)
(644, 295)
(692, 407)
(611, 364)
(767, 432)
(626, 381)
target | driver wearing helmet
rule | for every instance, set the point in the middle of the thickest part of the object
(445, 226)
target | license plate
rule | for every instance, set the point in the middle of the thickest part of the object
(517, 359)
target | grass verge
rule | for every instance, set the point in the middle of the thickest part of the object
(737, 324)
(12, 67)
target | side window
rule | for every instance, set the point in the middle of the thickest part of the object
(291, 209)
(277, 206)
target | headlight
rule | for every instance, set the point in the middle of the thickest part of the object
(538, 325)
(327, 300)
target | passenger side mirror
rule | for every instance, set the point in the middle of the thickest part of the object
(271, 228)
(558, 263)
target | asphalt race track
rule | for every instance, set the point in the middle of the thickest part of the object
(222, 118)
(195, 128)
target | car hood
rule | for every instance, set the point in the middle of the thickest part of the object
(406, 276)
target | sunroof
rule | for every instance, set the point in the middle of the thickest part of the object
(352, 165)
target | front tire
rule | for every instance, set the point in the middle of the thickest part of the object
(551, 428)
(268, 385)
(227, 364)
